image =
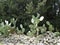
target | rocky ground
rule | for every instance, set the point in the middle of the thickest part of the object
(45, 39)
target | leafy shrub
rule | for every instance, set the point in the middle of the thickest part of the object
(50, 26)
(20, 31)
(34, 28)
(25, 8)
(57, 34)
(43, 28)
(6, 29)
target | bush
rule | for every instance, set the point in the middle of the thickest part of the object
(22, 10)
(34, 28)
(6, 29)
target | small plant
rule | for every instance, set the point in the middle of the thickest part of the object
(34, 28)
(43, 28)
(13, 21)
(29, 8)
(6, 29)
(50, 26)
(21, 31)
(57, 34)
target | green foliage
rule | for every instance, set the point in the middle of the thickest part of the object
(11, 8)
(21, 31)
(23, 10)
(39, 7)
(50, 26)
(31, 34)
(34, 28)
(57, 34)
(29, 8)
(43, 28)
(13, 21)
(6, 29)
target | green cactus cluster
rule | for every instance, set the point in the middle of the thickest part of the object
(34, 28)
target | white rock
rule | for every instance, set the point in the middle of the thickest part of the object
(32, 39)
(51, 44)
(31, 44)
(40, 44)
(55, 41)
(26, 37)
(19, 43)
(10, 44)
(3, 44)
(58, 43)
(59, 40)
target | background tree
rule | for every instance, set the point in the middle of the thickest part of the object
(23, 10)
